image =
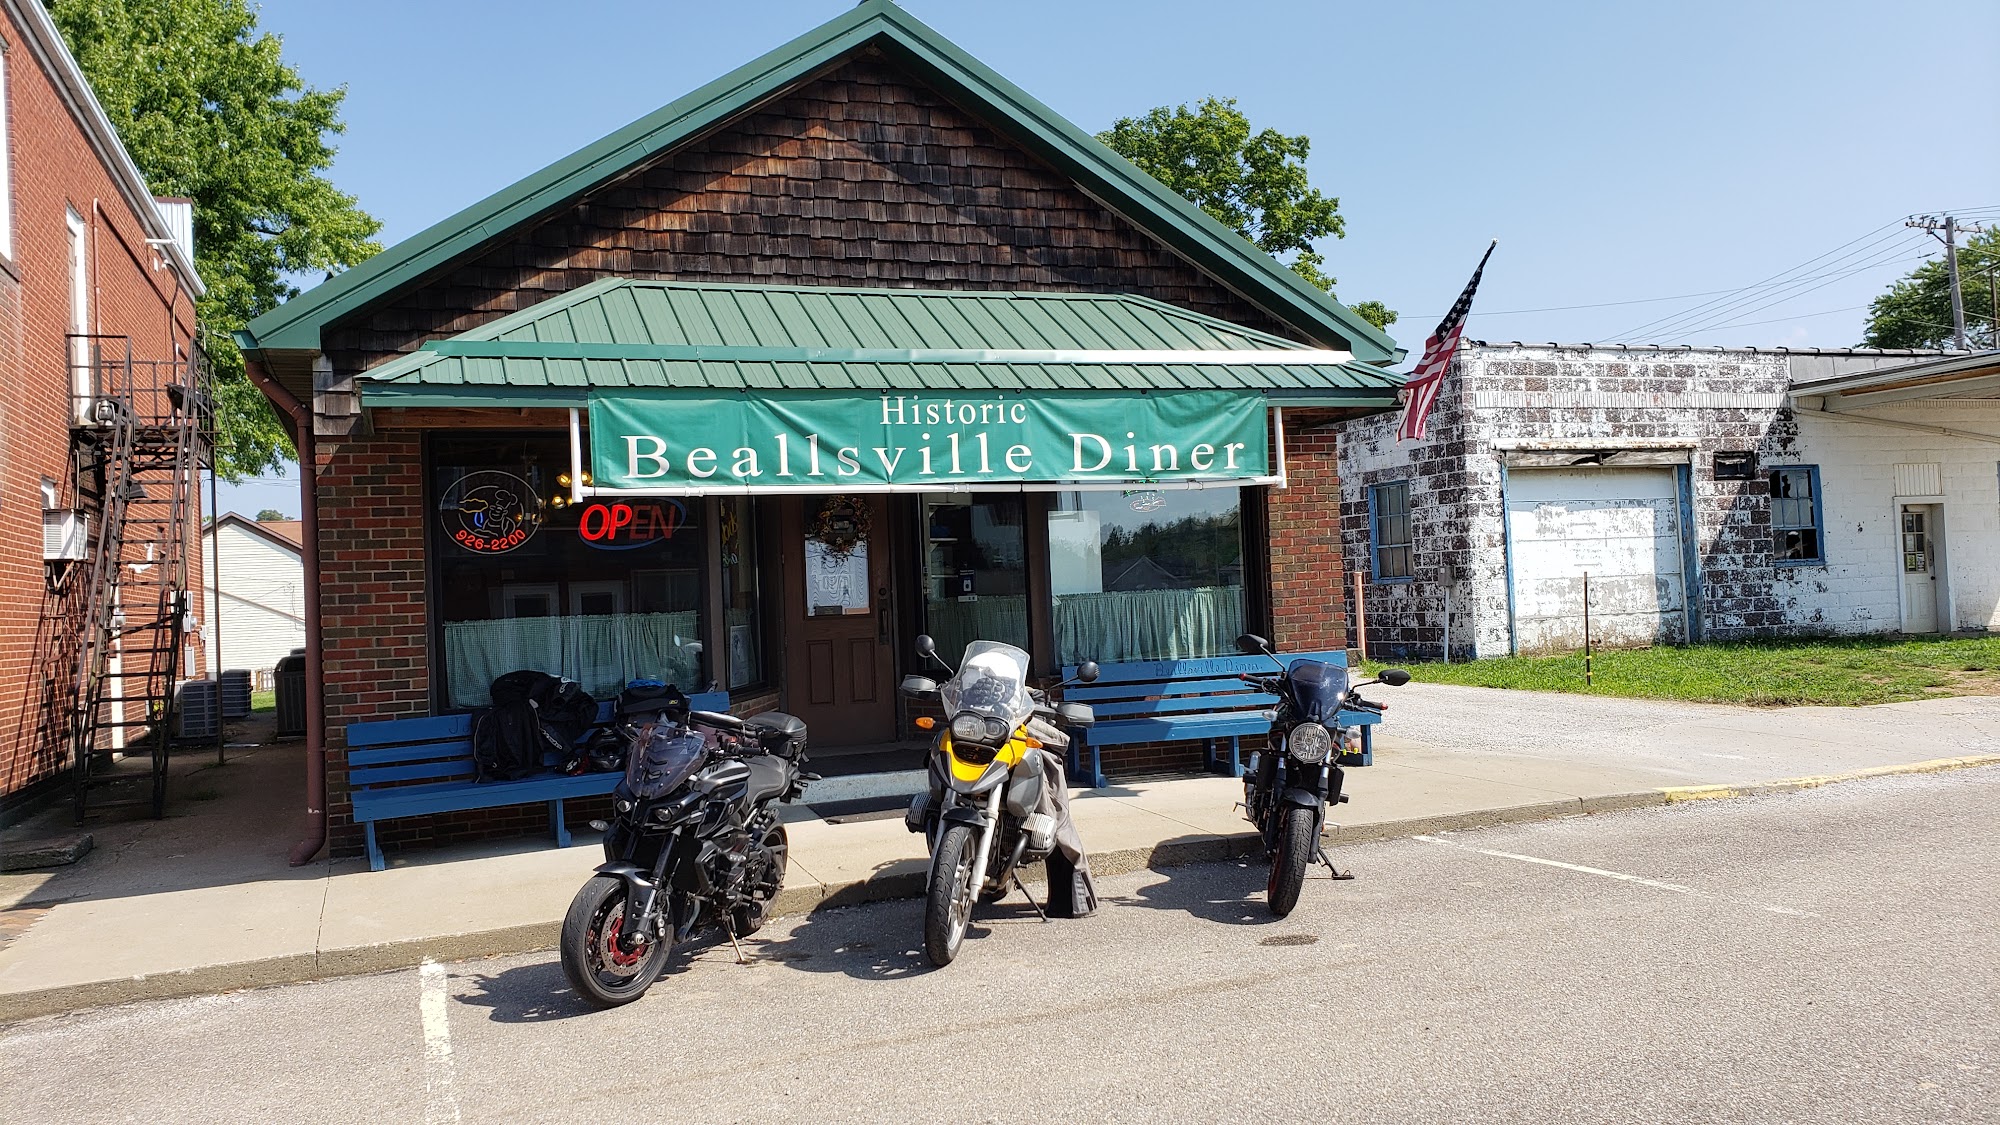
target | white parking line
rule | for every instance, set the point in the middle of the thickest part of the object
(440, 1101)
(1621, 877)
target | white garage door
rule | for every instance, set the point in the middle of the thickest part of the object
(1623, 528)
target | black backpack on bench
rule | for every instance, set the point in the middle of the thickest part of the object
(534, 716)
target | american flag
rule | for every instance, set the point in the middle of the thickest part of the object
(1422, 389)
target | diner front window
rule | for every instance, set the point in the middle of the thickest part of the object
(975, 570)
(1146, 574)
(601, 592)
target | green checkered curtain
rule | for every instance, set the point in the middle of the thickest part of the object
(1148, 624)
(953, 624)
(600, 652)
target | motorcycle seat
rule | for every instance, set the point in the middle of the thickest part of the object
(777, 723)
(770, 776)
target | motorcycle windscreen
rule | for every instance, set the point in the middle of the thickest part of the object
(663, 757)
(991, 681)
(1320, 688)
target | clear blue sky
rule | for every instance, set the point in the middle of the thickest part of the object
(1619, 152)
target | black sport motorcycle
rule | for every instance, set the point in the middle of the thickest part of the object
(695, 841)
(1290, 783)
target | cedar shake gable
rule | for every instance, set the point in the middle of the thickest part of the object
(858, 178)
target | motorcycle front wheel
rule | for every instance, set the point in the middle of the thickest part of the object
(1291, 858)
(948, 906)
(601, 970)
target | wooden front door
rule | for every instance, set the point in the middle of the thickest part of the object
(839, 666)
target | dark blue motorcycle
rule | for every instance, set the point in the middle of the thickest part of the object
(1291, 782)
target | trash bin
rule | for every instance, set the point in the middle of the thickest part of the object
(235, 693)
(290, 681)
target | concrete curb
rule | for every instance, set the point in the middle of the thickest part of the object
(902, 881)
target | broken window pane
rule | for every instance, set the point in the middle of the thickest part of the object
(1795, 514)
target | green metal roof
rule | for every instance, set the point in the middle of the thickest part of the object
(1261, 279)
(622, 332)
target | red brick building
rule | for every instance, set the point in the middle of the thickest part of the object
(96, 323)
(857, 342)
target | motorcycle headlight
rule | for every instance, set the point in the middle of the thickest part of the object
(968, 727)
(1309, 743)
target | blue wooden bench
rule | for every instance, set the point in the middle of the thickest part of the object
(1186, 700)
(412, 767)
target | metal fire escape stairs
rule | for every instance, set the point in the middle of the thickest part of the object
(142, 436)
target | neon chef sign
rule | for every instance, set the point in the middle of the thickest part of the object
(491, 512)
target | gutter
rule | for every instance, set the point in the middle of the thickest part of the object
(300, 419)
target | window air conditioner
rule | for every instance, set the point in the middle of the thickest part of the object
(65, 535)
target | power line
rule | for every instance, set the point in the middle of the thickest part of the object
(1788, 292)
(1735, 307)
(1770, 296)
(1870, 253)
(1870, 238)
(1786, 319)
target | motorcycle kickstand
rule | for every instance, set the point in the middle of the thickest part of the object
(1031, 898)
(1320, 854)
(730, 929)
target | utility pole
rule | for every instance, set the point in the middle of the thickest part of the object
(1993, 292)
(1950, 226)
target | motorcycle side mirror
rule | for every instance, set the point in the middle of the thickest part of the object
(1394, 677)
(1252, 644)
(920, 687)
(1075, 714)
(1088, 673)
(926, 647)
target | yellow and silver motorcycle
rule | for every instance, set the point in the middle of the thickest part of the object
(998, 797)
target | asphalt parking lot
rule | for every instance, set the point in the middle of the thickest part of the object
(1825, 956)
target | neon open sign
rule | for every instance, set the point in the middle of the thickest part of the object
(626, 526)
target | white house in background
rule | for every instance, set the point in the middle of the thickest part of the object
(1708, 493)
(263, 592)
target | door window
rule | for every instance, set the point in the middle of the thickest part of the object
(1916, 542)
(837, 535)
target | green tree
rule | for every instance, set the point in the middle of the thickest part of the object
(1916, 311)
(271, 515)
(209, 110)
(1254, 183)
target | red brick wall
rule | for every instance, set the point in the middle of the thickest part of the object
(373, 605)
(54, 168)
(1308, 576)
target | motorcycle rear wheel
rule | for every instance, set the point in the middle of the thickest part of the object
(948, 906)
(1289, 862)
(591, 957)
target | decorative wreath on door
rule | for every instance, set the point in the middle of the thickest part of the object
(841, 524)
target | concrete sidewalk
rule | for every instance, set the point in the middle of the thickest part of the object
(202, 902)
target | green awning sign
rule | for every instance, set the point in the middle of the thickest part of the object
(921, 440)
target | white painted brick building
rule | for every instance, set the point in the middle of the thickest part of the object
(1708, 494)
